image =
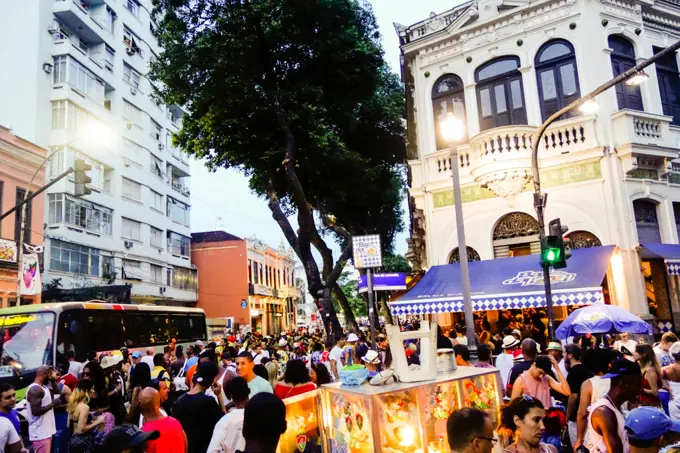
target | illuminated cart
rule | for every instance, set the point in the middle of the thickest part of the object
(403, 417)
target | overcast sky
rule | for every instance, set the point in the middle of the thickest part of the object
(222, 200)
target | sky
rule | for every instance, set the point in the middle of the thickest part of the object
(221, 200)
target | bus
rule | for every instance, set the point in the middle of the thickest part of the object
(35, 335)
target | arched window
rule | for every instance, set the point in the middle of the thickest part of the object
(669, 84)
(583, 240)
(500, 93)
(557, 76)
(515, 234)
(646, 221)
(447, 96)
(472, 254)
(623, 58)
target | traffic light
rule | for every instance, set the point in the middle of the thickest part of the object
(555, 249)
(80, 178)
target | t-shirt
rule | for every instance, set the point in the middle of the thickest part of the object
(336, 354)
(190, 362)
(13, 417)
(578, 374)
(171, 440)
(141, 417)
(284, 390)
(198, 414)
(75, 368)
(228, 434)
(259, 385)
(8, 435)
(148, 359)
(516, 371)
(156, 371)
(190, 374)
(663, 356)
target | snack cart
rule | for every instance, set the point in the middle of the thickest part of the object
(393, 418)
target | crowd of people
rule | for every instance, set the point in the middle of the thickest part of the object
(593, 394)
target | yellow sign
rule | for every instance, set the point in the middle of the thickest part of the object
(17, 320)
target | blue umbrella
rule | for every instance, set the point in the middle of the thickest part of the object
(601, 318)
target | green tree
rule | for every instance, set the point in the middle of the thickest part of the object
(350, 288)
(296, 95)
(396, 263)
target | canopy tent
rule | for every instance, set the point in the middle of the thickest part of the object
(509, 283)
(670, 253)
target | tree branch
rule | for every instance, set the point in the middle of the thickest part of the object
(281, 219)
(339, 265)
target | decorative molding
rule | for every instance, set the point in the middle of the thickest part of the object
(661, 23)
(622, 10)
(551, 177)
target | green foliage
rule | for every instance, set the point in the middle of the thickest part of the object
(350, 287)
(238, 65)
(396, 263)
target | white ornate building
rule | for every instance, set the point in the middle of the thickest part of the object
(503, 66)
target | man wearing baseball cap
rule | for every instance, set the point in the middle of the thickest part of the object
(605, 429)
(127, 439)
(646, 427)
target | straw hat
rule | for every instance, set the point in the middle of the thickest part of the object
(111, 360)
(510, 342)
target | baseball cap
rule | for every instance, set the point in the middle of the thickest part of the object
(136, 355)
(622, 367)
(199, 343)
(649, 423)
(126, 436)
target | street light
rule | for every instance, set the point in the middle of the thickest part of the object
(452, 130)
(587, 103)
(93, 131)
(637, 79)
(589, 106)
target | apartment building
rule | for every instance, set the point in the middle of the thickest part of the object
(78, 69)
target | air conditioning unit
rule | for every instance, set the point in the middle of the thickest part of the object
(129, 244)
(129, 124)
(107, 104)
(133, 91)
(54, 29)
(130, 51)
(161, 146)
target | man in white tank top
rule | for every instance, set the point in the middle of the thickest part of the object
(41, 425)
(605, 432)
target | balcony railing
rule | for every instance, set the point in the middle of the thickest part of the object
(510, 147)
(632, 128)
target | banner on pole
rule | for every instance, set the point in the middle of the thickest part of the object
(395, 281)
(30, 276)
(367, 251)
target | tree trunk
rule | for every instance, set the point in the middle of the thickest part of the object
(350, 320)
(388, 313)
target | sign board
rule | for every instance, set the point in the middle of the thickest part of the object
(367, 251)
(244, 304)
(395, 281)
(8, 251)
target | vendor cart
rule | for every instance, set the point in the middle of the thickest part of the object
(402, 417)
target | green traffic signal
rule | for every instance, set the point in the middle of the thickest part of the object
(551, 255)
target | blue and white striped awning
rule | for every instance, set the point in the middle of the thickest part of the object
(509, 283)
(670, 253)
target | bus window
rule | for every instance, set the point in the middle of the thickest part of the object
(26, 341)
(198, 328)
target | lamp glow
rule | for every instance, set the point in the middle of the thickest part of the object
(96, 132)
(590, 106)
(638, 78)
(451, 128)
(408, 436)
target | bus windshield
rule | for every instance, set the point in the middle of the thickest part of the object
(26, 341)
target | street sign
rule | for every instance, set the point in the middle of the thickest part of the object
(367, 252)
(244, 304)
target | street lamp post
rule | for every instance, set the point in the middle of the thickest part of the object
(587, 103)
(453, 131)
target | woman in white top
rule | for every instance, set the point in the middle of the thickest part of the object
(671, 373)
(227, 435)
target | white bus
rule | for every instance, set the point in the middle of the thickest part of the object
(34, 335)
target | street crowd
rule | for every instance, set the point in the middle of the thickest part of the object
(592, 394)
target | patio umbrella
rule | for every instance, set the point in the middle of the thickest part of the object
(601, 318)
